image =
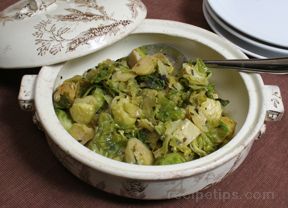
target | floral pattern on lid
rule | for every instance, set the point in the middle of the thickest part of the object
(64, 30)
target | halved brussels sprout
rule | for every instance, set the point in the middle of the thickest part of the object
(202, 145)
(135, 56)
(124, 112)
(223, 132)
(212, 110)
(81, 132)
(137, 152)
(145, 66)
(84, 109)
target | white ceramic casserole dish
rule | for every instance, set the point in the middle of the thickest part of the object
(251, 103)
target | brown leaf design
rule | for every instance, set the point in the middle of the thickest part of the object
(49, 38)
(90, 34)
(79, 16)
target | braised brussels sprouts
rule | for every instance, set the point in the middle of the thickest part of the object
(135, 56)
(64, 118)
(212, 110)
(196, 75)
(168, 110)
(71, 89)
(107, 141)
(152, 81)
(138, 153)
(149, 108)
(81, 132)
(145, 66)
(183, 130)
(102, 72)
(124, 112)
(83, 109)
(171, 158)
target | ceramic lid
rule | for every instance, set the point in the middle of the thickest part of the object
(44, 32)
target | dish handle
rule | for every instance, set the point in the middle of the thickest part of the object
(273, 103)
(274, 106)
(26, 92)
(26, 96)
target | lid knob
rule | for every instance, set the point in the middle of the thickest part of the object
(39, 4)
(32, 7)
(35, 4)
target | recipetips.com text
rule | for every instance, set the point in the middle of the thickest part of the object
(219, 194)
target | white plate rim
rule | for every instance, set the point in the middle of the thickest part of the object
(230, 37)
(214, 16)
(245, 30)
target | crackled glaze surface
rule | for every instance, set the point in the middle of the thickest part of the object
(63, 30)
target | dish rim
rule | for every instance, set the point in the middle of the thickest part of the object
(247, 133)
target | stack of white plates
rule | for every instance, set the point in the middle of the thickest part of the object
(259, 28)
